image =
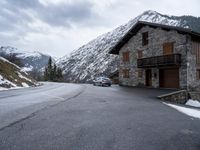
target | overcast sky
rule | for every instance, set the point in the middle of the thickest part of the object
(57, 27)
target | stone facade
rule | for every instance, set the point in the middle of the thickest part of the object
(156, 38)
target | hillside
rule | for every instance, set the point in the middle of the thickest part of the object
(93, 59)
(30, 61)
(11, 76)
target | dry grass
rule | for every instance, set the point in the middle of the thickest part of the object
(10, 72)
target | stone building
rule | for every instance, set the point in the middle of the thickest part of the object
(159, 56)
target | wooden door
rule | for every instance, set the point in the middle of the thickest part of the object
(169, 78)
(148, 77)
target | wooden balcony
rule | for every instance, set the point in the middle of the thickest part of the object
(160, 61)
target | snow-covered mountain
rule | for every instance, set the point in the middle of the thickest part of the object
(93, 59)
(30, 60)
(11, 76)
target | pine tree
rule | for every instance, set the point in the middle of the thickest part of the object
(52, 72)
(46, 77)
(50, 69)
(59, 74)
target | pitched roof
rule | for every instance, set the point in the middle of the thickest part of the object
(133, 31)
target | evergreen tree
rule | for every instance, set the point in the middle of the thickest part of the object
(50, 69)
(46, 76)
(52, 72)
(59, 74)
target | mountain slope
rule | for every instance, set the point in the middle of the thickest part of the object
(93, 59)
(30, 60)
(11, 76)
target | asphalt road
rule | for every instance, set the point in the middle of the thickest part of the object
(95, 118)
(19, 104)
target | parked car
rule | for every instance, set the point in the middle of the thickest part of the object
(102, 81)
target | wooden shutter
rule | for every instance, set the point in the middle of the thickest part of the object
(125, 56)
(168, 48)
(196, 51)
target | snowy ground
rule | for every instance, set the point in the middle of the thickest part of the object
(5, 81)
(12, 88)
(188, 111)
(3, 89)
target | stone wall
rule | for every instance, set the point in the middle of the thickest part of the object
(179, 97)
(194, 96)
(157, 37)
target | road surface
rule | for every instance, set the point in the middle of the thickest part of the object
(18, 104)
(94, 118)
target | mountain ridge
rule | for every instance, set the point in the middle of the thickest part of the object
(31, 61)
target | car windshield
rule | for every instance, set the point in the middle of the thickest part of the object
(102, 78)
(105, 79)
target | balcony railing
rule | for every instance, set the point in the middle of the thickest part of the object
(159, 61)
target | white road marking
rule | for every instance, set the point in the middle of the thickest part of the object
(57, 97)
(34, 102)
(14, 103)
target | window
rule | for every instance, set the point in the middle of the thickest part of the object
(140, 73)
(145, 37)
(168, 48)
(140, 54)
(125, 56)
(126, 73)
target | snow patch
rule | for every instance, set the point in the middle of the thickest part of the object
(193, 103)
(4, 81)
(23, 77)
(25, 84)
(27, 69)
(188, 111)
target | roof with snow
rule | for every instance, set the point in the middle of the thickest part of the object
(133, 31)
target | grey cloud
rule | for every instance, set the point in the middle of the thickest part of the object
(15, 16)
(15, 13)
(12, 18)
(23, 3)
(65, 14)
